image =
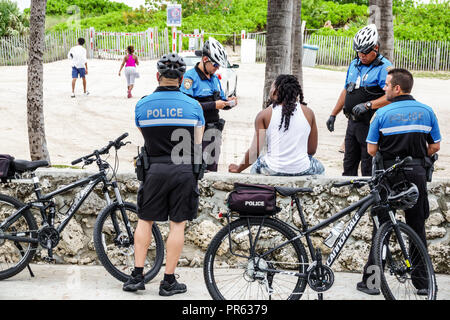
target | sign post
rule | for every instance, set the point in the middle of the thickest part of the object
(174, 21)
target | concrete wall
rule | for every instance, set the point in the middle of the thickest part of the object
(76, 245)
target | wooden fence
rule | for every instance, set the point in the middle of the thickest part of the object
(153, 43)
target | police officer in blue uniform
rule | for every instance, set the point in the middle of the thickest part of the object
(405, 128)
(172, 125)
(362, 95)
(202, 84)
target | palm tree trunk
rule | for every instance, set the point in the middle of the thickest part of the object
(297, 41)
(381, 15)
(279, 37)
(35, 101)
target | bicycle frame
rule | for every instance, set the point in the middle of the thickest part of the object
(90, 183)
(362, 206)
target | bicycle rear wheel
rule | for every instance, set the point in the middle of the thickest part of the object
(232, 271)
(15, 255)
(115, 249)
(398, 281)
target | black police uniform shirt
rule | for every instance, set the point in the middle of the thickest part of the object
(365, 83)
(206, 91)
(403, 128)
(161, 114)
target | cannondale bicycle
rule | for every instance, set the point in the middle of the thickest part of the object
(20, 235)
(262, 257)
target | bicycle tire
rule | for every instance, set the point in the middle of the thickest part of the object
(122, 272)
(295, 250)
(392, 271)
(26, 222)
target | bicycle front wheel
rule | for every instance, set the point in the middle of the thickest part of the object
(403, 279)
(115, 247)
(238, 267)
(15, 254)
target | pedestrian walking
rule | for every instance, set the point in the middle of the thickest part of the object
(130, 62)
(77, 55)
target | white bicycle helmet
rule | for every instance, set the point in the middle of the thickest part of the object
(215, 51)
(365, 39)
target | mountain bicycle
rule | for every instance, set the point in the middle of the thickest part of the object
(261, 257)
(20, 235)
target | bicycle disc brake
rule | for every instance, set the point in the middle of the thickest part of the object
(320, 278)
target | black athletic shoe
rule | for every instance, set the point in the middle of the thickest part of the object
(169, 289)
(361, 286)
(134, 283)
(422, 292)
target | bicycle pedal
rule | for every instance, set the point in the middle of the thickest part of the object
(49, 260)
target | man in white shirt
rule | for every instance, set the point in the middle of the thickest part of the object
(79, 65)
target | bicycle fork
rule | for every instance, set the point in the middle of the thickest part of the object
(401, 241)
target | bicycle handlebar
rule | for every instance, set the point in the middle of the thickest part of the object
(361, 182)
(116, 143)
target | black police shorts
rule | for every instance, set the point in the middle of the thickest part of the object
(169, 192)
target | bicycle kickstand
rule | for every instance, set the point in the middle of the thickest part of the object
(22, 253)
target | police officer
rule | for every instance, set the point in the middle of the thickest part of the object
(404, 128)
(172, 125)
(202, 84)
(363, 93)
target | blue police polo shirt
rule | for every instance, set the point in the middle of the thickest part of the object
(161, 113)
(369, 75)
(403, 128)
(197, 85)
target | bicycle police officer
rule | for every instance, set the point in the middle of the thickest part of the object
(202, 84)
(404, 128)
(169, 189)
(363, 93)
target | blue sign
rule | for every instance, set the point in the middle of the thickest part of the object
(174, 15)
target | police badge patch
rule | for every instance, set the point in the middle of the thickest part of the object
(187, 83)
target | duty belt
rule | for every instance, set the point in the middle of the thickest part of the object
(160, 159)
(413, 162)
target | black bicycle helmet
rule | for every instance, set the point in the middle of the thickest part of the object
(403, 195)
(215, 51)
(171, 66)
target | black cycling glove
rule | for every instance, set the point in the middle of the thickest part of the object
(360, 109)
(330, 123)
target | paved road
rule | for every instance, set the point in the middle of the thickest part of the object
(63, 282)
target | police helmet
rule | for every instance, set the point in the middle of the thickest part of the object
(366, 39)
(171, 66)
(215, 51)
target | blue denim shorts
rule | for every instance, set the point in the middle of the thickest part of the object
(260, 167)
(78, 71)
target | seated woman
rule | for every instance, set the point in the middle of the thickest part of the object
(290, 130)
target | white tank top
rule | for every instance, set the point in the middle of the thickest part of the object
(287, 151)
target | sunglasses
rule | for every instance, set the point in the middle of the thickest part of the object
(215, 65)
(367, 51)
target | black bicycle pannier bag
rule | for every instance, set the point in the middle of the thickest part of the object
(6, 167)
(254, 199)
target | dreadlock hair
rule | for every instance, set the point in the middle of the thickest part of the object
(288, 90)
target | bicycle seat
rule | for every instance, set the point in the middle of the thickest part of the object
(285, 191)
(24, 165)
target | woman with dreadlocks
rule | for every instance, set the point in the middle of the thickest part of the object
(288, 128)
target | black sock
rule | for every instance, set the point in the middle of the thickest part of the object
(170, 278)
(137, 271)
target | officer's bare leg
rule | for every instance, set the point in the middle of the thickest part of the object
(142, 240)
(174, 245)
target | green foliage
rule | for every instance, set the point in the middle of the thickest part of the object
(87, 8)
(317, 13)
(12, 22)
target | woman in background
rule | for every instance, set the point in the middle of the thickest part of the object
(130, 61)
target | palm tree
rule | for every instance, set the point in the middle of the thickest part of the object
(35, 101)
(278, 41)
(381, 15)
(297, 41)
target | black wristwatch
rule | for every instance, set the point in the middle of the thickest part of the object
(368, 105)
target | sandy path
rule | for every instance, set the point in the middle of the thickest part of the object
(75, 127)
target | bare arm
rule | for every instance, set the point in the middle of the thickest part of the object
(340, 103)
(433, 148)
(372, 149)
(380, 102)
(136, 59)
